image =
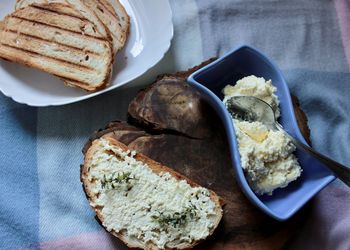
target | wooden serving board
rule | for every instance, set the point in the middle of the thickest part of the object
(170, 123)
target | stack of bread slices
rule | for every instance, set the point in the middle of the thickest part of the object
(75, 40)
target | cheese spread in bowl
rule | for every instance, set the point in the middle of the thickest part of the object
(266, 155)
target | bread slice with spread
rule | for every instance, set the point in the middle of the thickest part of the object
(143, 203)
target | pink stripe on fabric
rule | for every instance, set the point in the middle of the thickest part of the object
(88, 241)
(328, 223)
(343, 12)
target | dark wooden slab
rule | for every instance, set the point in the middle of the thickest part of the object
(174, 126)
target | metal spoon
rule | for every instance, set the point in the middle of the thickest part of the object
(251, 109)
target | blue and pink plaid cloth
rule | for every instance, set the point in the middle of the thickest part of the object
(42, 205)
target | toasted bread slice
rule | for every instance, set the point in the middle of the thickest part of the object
(143, 203)
(79, 6)
(101, 9)
(124, 19)
(59, 40)
(121, 14)
(110, 20)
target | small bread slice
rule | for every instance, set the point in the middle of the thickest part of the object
(121, 15)
(110, 20)
(143, 203)
(124, 19)
(59, 40)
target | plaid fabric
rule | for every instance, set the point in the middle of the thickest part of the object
(42, 203)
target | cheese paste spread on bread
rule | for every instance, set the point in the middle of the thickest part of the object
(266, 156)
(146, 206)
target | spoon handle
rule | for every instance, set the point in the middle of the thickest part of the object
(339, 170)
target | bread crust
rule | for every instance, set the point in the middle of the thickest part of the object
(124, 19)
(156, 168)
(120, 14)
(111, 20)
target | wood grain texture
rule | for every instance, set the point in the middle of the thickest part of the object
(191, 140)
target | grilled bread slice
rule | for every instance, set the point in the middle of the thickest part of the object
(57, 39)
(101, 9)
(144, 203)
(121, 15)
(124, 19)
(110, 20)
(79, 5)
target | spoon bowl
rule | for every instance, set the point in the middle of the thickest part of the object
(251, 109)
(245, 61)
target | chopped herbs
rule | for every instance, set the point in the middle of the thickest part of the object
(176, 219)
(116, 179)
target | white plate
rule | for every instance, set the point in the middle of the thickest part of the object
(151, 32)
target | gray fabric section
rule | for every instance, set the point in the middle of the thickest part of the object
(325, 99)
(294, 34)
(187, 34)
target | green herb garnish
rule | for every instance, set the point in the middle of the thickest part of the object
(176, 219)
(116, 179)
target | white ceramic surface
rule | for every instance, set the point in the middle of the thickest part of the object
(151, 32)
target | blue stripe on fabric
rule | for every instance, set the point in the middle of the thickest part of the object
(19, 196)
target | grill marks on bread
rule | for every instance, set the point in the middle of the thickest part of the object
(110, 20)
(117, 27)
(79, 6)
(55, 15)
(66, 37)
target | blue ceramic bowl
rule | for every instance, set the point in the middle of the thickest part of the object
(245, 61)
